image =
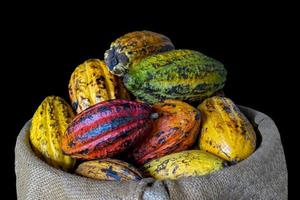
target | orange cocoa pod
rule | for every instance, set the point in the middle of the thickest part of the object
(176, 129)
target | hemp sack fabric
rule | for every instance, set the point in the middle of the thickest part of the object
(263, 175)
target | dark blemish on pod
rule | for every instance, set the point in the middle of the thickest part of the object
(236, 109)
(126, 105)
(122, 58)
(142, 116)
(111, 60)
(149, 90)
(103, 109)
(110, 173)
(244, 130)
(185, 76)
(197, 117)
(201, 87)
(182, 68)
(227, 109)
(174, 129)
(162, 140)
(182, 71)
(159, 133)
(118, 109)
(173, 89)
(71, 144)
(224, 152)
(94, 67)
(162, 166)
(100, 79)
(169, 104)
(149, 76)
(174, 170)
(84, 152)
(75, 105)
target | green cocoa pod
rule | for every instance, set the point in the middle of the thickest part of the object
(178, 74)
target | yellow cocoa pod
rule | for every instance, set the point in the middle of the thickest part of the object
(48, 126)
(183, 164)
(108, 169)
(91, 83)
(225, 131)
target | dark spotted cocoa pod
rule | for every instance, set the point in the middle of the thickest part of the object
(109, 170)
(92, 83)
(132, 48)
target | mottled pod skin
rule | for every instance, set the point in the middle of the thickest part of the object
(225, 131)
(91, 83)
(178, 74)
(176, 129)
(183, 164)
(133, 47)
(107, 129)
(48, 126)
(109, 170)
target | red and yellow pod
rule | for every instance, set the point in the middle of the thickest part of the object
(91, 83)
(175, 129)
(107, 129)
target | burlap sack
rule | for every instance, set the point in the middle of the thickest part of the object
(261, 176)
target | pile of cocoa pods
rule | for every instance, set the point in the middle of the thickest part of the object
(146, 110)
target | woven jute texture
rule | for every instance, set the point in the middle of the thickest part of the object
(263, 175)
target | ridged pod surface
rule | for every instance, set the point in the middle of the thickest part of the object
(183, 164)
(48, 126)
(225, 131)
(107, 128)
(109, 170)
(178, 74)
(91, 83)
(176, 129)
(132, 48)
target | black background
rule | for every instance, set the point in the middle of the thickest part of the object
(42, 48)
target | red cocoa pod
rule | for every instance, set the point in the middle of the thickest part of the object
(107, 129)
(176, 129)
